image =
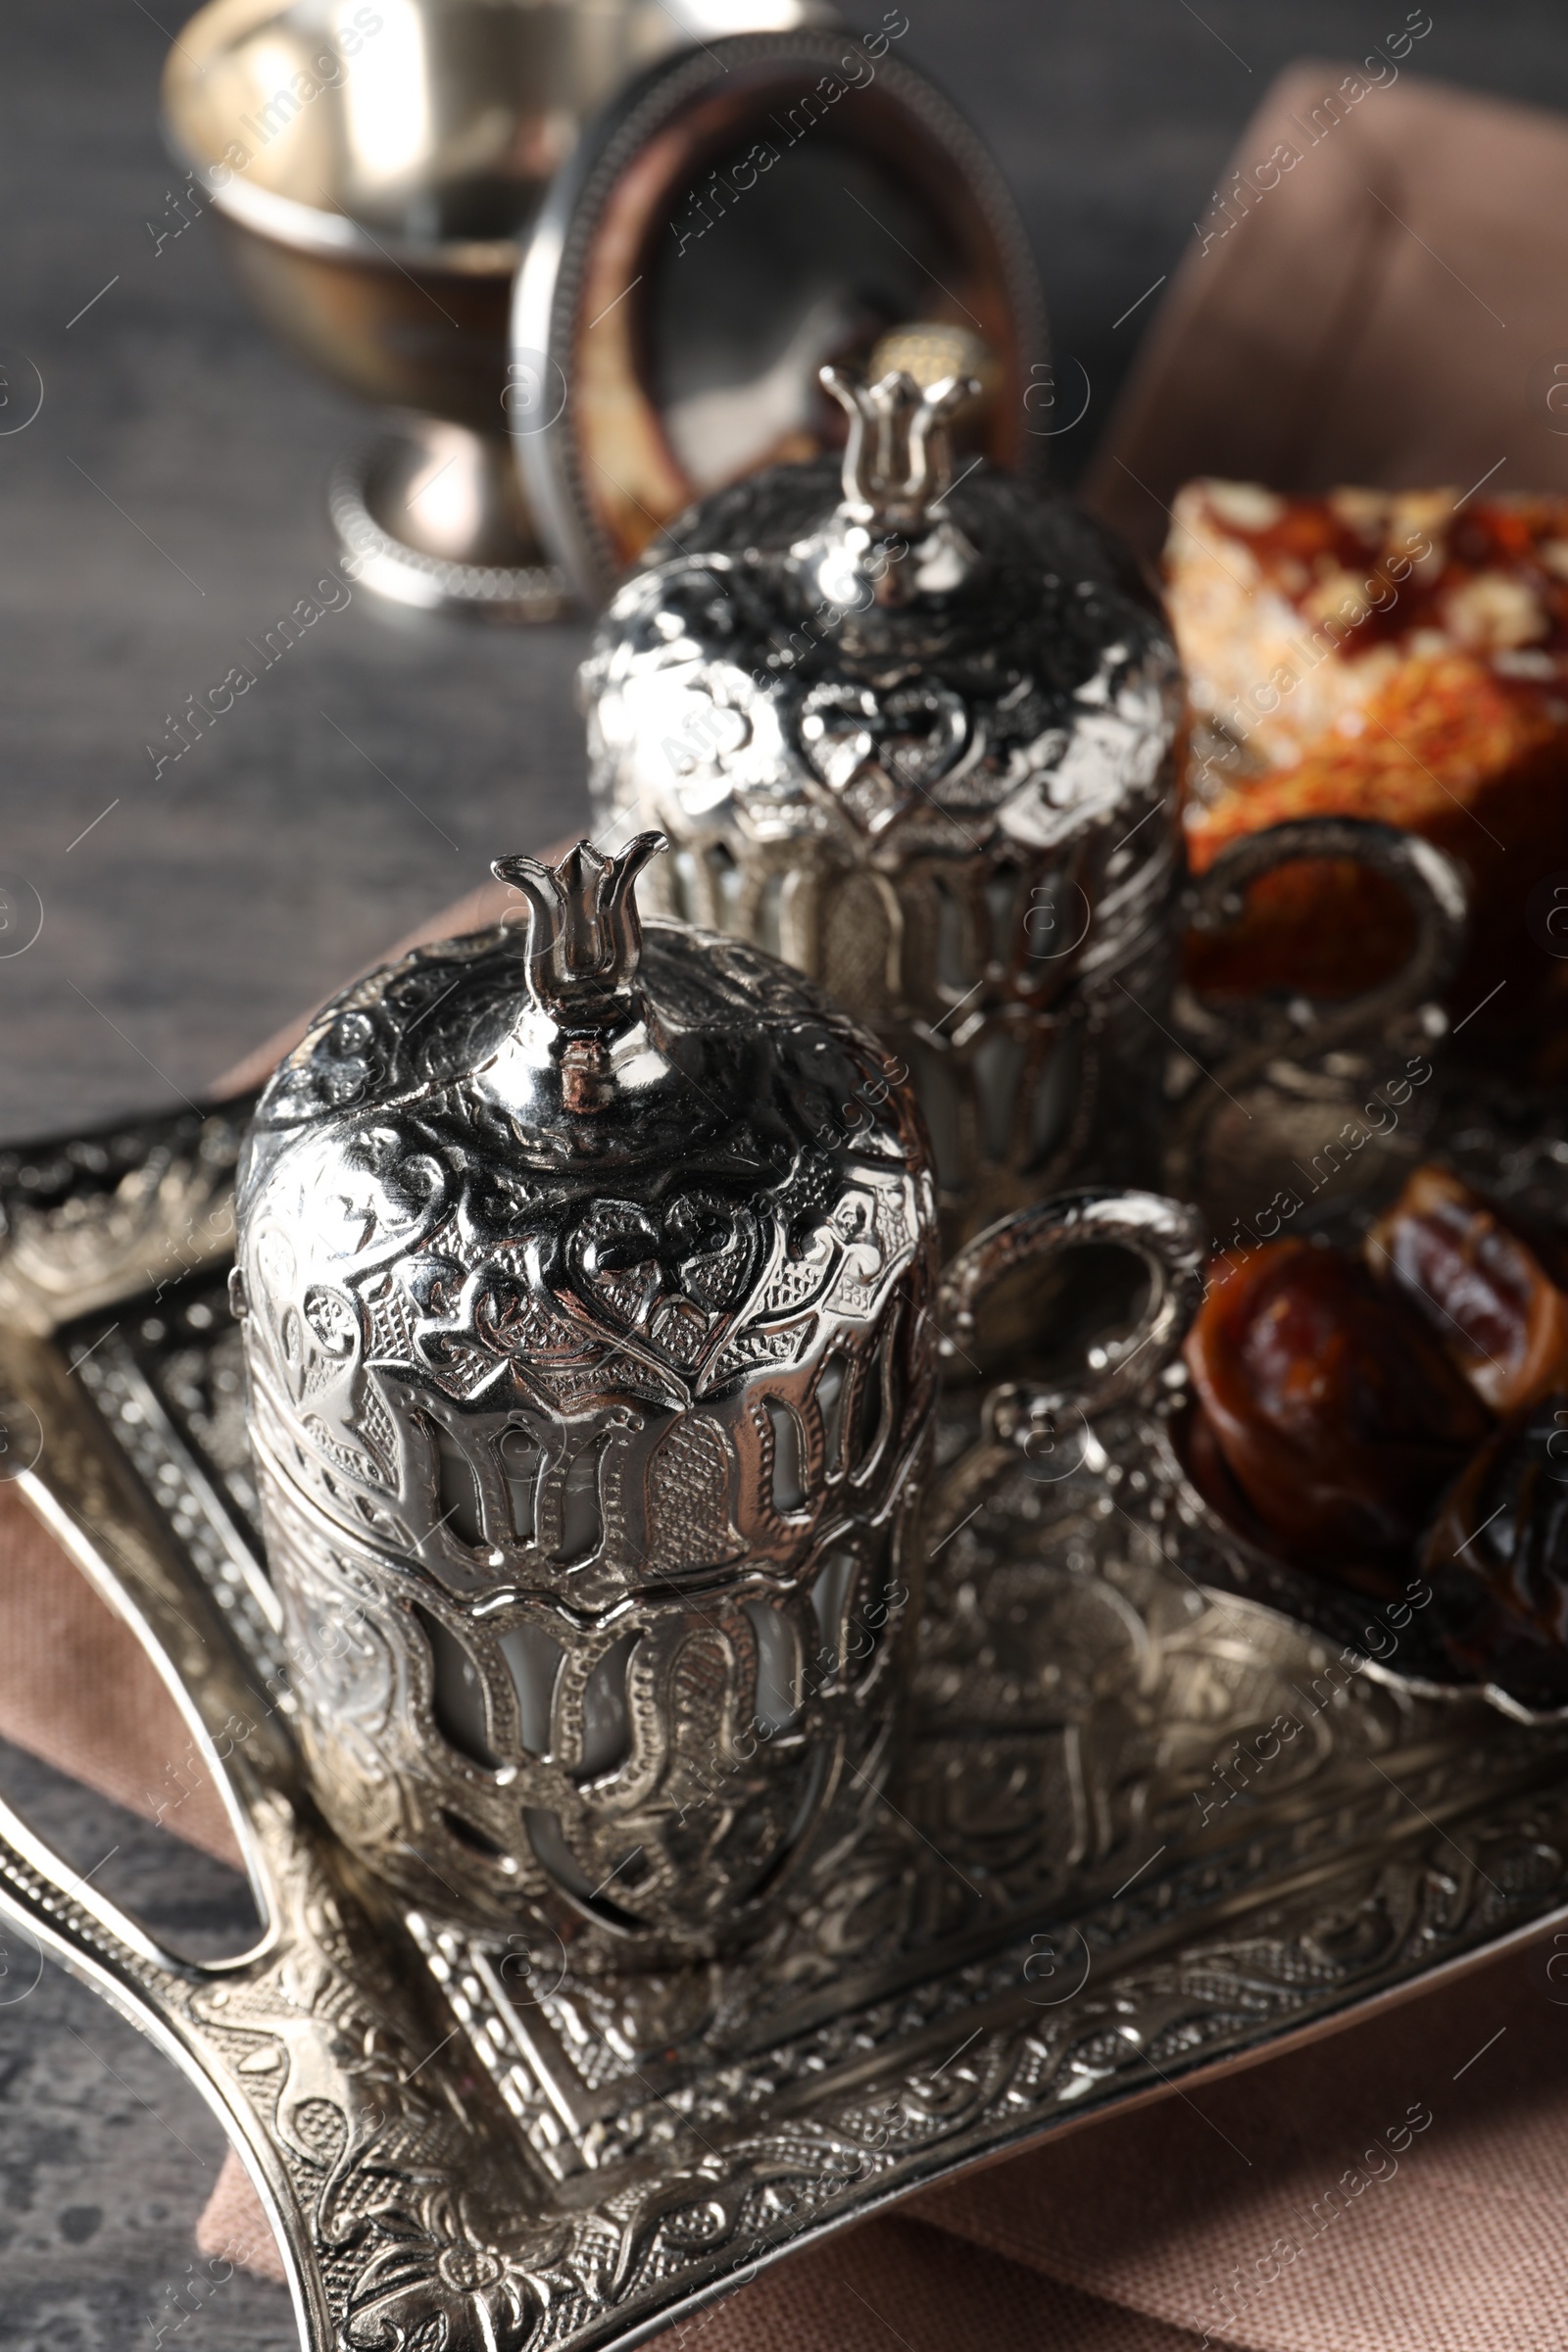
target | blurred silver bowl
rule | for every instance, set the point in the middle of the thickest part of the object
(378, 165)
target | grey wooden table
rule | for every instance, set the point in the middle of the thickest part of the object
(164, 505)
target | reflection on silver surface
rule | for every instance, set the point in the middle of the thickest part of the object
(406, 126)
(741, 321)
(432, 515)
(721, 428)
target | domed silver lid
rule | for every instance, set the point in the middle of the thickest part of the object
(558, 1161)
(569, 1041)
(880, 644)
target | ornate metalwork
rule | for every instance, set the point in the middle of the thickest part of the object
(919, 736)
(1139, 1829)
(1141, 1825)
(102, 1218)
(586, 1285)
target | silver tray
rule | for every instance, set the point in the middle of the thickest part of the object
(1141, 1831)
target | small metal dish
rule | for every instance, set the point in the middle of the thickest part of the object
(1384, 1634)
(1515, 1150)
(377, 166)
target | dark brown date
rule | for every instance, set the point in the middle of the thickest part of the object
(1481, 1284)
(1498, 1557)
(1334, 1410)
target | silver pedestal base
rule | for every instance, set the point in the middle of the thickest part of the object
(432, 517)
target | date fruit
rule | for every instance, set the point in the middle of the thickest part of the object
(1336, 1410)
(1481, 1284)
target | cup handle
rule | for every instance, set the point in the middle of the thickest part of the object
(1433, 885)
(1166, 1235)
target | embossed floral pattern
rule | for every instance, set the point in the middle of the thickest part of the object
(441, 2284)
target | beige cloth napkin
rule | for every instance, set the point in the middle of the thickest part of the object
(1388, 310)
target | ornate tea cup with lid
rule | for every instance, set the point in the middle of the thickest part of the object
(919, 735)
(590, 1365)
